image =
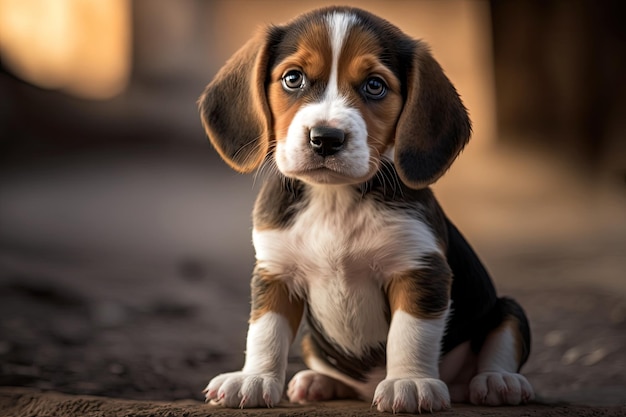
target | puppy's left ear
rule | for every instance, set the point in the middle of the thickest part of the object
(434, 125)
(234, 109)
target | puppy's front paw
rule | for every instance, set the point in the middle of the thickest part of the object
(411, 395)
(500, 388)
(245, 390)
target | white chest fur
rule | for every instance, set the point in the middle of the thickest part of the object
(339, 253)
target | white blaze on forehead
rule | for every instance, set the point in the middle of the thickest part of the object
(338, 26)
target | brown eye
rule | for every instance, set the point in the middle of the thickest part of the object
(375, 87)
(293, 80)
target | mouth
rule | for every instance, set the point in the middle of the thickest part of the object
(323, 175)
(330, 173)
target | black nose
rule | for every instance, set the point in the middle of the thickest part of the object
(326, 141)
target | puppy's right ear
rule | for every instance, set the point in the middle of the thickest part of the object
(234, 109)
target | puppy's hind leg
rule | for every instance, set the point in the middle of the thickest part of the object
(504, 351)
(307, 386)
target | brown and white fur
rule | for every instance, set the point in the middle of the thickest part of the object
(351, 120)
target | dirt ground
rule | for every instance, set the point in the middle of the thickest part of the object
(21, 402)
(144, 313)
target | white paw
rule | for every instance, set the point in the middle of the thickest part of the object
(500, 388)
(309, 385)
(411, 395)
(245, 390)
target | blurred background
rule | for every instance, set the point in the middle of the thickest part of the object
(125, 247)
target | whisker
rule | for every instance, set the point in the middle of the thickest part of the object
(241, 150)
(256, 142)
(267, 167)
(385, 172)
(392, 176)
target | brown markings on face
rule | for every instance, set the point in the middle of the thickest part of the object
(270, 294)
(313, 57)
(358, 61)
(423, 293)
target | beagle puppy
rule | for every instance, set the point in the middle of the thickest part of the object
(351, 120)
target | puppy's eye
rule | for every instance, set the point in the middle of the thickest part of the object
(375, 87)
(293, 80)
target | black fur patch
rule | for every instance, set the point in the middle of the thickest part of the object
(277, 203)
(425, 291)
(355, 367)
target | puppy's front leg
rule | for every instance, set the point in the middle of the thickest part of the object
(274, 321)
(419, 302)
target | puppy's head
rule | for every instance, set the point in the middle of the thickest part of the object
(329, 95)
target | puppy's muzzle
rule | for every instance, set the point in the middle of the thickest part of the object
(326, 141)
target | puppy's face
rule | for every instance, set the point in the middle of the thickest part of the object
(328, 95)
(334, 102)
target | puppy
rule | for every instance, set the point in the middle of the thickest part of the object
(351, 120)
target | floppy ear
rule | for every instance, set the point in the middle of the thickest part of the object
(234, 109)
(433, 126)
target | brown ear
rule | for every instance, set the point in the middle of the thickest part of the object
(433, 126)
(234, 109)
